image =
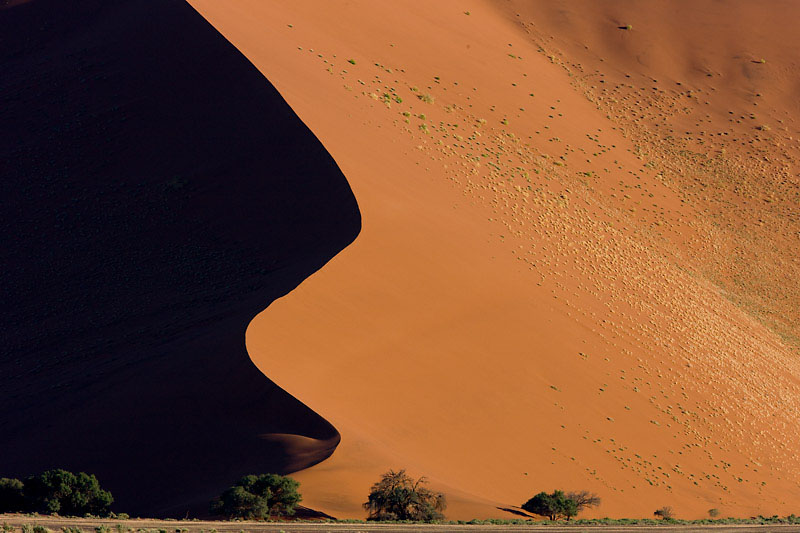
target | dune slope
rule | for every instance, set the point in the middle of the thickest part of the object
(560, 282)
(157, 193)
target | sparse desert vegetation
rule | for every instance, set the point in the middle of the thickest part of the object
(55, 492)
(259, 497)
(398, 496)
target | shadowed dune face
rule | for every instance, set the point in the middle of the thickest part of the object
(157, 194)
(551, 290)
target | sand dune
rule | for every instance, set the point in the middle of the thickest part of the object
(577, 263)
(151, 207)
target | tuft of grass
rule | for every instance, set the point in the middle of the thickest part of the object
(351, 61)
(426, 97)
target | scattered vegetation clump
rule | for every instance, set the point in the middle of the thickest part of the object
(351, 61)
(713, 513)
(426, 97)
(397, 496)
(259, 498)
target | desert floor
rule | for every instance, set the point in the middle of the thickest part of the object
(181, 526)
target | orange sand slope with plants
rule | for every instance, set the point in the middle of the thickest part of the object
(577, 267)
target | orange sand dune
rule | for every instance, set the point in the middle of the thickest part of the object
(558, 284)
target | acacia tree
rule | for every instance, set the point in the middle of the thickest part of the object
(259, 498)
(584, 499)
(397, 496)
(554, 505)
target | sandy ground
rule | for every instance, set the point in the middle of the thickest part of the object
(180, 526)
(577, 265)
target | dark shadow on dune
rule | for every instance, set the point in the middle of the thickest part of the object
(157, 193)
(518, 512)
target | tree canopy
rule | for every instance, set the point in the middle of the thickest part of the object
(397, 496)
(12, 499)
(554, 505)
(259, 498)
(65, 493)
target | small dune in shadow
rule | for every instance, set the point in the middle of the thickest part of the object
(157, 194)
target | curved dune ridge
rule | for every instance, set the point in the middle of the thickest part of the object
(157, 194)
(577, 265)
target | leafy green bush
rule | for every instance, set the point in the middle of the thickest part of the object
(59, 491)
(397, 496)
(554, 505)
(259, 498)
(12, 499)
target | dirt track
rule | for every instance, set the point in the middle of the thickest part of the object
(178, 526)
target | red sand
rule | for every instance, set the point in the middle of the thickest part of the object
(560, 283)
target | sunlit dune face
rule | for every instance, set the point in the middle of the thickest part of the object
(575, 227)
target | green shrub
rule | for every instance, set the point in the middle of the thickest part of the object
(41, 529)
(59, 491)
(12, 499)
(397, 496)
(259, 498)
